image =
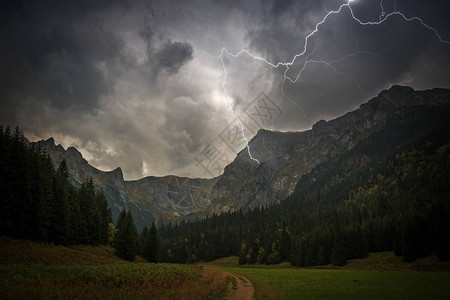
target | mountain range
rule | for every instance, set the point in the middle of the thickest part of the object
(284, 157)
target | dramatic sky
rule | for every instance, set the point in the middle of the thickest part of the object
(157, 87)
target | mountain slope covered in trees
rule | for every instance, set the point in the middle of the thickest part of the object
(390, 191)
(285, 156)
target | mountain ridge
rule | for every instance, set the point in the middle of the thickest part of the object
(284, 157)
(286, 161)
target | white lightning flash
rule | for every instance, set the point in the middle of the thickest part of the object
(224, 82)
(382, 18)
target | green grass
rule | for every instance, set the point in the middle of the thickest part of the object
(380, 275)
(230, 261)
(388, 261)
(344, 284)
(115, 281)
(43, 271)
(35, 270)
(100, 280)
(233, 261)
(27, 252)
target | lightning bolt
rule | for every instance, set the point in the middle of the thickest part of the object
(382, 18)
(382, 14)
(224, 82)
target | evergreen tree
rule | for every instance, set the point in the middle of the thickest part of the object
(59, 208)
(121, 219)
(126, 241)
(63, 170)
(38, 202)
(151, 244)
(321, 257)
(338, 252)
(144, 239)
(103, 216)
(285, 244)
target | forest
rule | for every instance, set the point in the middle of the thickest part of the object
(38, 203)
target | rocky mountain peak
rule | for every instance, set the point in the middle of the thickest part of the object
(319, 126)
(74, 152)
(117, 173)
(401, 88)
(50, 140)
(285, 156)
(50, 144)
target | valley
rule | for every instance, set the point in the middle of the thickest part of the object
(225, 150)
(356, 207)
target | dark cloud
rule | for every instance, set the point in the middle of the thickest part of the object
(172, 56)
(362, 59)
(162, 54)
(283, 26)
(138, 84)
(56, 51)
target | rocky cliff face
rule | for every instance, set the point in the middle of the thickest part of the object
(283, 158)
(150, 199)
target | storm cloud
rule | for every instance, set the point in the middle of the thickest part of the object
(140, 84)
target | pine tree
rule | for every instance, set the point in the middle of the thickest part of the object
(126, 241)
(152, 249)
(338, 252)
(321, 257)
(121, 219)
(285, 244)
(104, 217)
(59, 208)
(74, 216)
(92, 217)
(63, 170)
(144, 239)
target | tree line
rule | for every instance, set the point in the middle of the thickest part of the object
(128, 242)
(39, 203)
(389, 193)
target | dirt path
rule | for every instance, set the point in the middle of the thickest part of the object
(240, 288)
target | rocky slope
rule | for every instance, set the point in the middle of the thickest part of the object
(284, 157)
(150, 199)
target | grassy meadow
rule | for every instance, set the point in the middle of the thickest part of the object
(344, 284)
(112, 281)
(41, 271)
(354, 281)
